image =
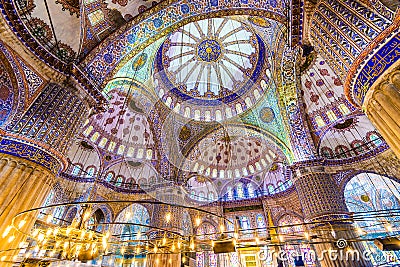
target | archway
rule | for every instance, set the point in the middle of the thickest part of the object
(371, 197)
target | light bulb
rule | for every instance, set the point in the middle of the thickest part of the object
(388, 227)
(183, 259)
(179, 244)
(212, 243)
(164, 241)
(55, 232)
(86, 215)
(3, 258)
(222, 227)
(168, 217)
(51, 254)
(360, 231)
(49, 218)
(66, 244)
(107, 234)
(257, 239)
(40, 237)
(104, 242)
(68, 231)
(58, 244)
(21, 224)
(155, 249)
(11, 239)
(49, 232)
(137, 250)
(7, 231)
(83, 233)
(198, 221)
(35, 232)
(122, 250)
(90, 235)
(236, 235)
(234, 242)
(173, 247)
(15, 257)
(307, 235)
(139, 234)
(191, 245)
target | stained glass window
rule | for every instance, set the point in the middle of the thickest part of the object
(320, 122)
(271, 189)
(250, 190)
(90, 171)
(119, 181)
(331, 115)
(76, 170)
(344, 109)
(109, 176)
(240, 192)
(229, 193)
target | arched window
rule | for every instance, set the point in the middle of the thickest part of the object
(358, 147)
(327, 152)
(369, 193)
(271, 189)
(201, 196)
(344, 109)
(76, 170)
(281, 186)
(109, 177)
(320, 122)
(331, 115)
(374, 138)
(250, 190)
(90, 171)
(129, 183)
(341, 151)
(239, 189)
(211, 196)
(245, 225)
(138, 216)
(119, 181)
(262, 227)
(229, 193)
(58, 214)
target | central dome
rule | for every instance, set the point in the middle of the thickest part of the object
(207, 64)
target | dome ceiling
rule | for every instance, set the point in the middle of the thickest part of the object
(209, 69)
(123, 129)
(232, 152)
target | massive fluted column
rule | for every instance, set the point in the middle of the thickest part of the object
(325, 209)
(32, 149)
(382, 107)
(170, 195)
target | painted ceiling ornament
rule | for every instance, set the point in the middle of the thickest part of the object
(139, 62)
(267, 114)
(71, 5)
(262, 22)
(209, 69)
